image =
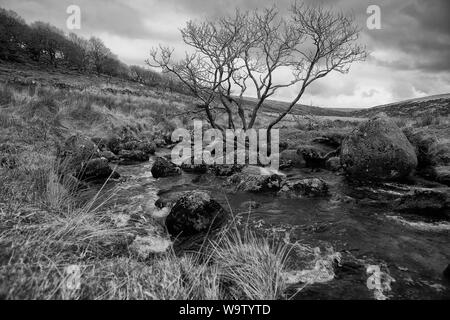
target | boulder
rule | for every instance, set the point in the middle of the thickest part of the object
(97, 169)
(314, 187)
(425, 201)
(253, 180)
(144, 247)
(378, 150)
(195, 212)
(108, 155)
(164, 168)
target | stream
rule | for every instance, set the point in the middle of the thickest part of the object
(410, 253)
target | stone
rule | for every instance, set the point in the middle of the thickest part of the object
(378, 150)
(133, 156)
(97, 169)
(193, 213)
(314, 187)
(164, 168)
(291, 156)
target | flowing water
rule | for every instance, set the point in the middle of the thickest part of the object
(384, 254)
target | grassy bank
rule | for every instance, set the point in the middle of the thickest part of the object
(50, 233)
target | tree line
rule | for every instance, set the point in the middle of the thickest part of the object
(45, 44)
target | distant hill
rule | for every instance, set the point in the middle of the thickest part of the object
(300, 109)
(438, 105)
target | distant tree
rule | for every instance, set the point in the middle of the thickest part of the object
(47, 41)
(76, 52)
(248, 50)
(98, 54)
(13, 33)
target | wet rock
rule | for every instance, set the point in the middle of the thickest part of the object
(425, 201)
(315, 156)
(97, 169)
(160, 143)
(290, 158)
(378, 150)
(446, 273)
(314, 187)
(226, 170)
(255, 182)
(432, 147)
(195, 212)
(164, 168)
(128, 157)
(333, 164)
(100, 143)
(80, 157)
(441, 174)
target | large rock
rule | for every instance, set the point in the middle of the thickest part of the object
(252, 179)
(76, 151)
(378, 150)
(79, 157)
(195, 212)
(314, 187)
(164, 168)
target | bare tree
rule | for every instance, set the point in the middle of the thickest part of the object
(246, 51)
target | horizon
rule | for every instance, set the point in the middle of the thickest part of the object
(409, 54)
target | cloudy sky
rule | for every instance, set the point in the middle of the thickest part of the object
(409, 55)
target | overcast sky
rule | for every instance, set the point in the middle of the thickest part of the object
(409, 55)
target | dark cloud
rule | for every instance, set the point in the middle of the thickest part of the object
(410, 55)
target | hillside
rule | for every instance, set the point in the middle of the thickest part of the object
(438, 105)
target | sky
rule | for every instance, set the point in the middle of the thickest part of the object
(409, 56)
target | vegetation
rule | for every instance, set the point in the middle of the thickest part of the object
(248, 50)
(46, 45)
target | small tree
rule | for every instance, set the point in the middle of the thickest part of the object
(98, 54)
(246, 51)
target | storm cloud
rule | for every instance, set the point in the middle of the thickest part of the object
(409, 55)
